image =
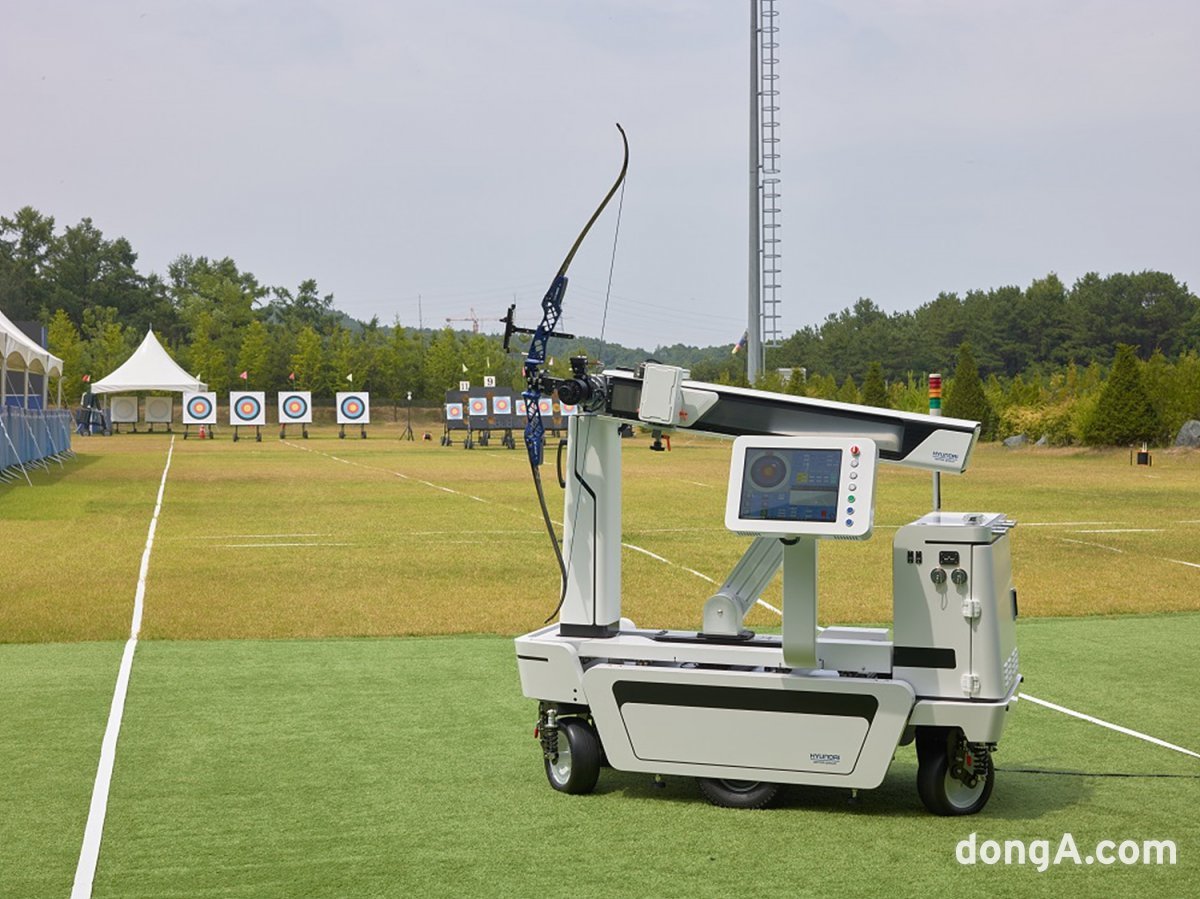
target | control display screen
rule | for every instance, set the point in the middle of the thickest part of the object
(790, 484)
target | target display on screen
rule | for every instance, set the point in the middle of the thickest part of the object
(353, 408)
(199, 408)
(295, 407)
(248, 407)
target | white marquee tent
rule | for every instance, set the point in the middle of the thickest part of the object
(21, 358)
(149, 368)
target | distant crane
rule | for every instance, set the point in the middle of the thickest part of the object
(472, 318)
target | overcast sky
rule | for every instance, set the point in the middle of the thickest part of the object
(393, 149)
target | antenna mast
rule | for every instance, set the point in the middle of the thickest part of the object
(762, 325)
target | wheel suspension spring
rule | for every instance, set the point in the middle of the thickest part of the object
(547, 732)
(971, 762)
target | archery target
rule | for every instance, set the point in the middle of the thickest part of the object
(519, 408)
(199, 408)
(124, 410)
(353, 408)
(501, 405)
(478, 405)
(454, 411)
(546, 406)
(295, 407)
(159, 409)
(247, 407)
(564, 409)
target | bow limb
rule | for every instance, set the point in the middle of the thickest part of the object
(551, 312)
(535, 432)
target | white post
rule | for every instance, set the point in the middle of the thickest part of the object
(800, 603)
(592, 527)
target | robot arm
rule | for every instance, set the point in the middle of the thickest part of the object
(658, 395)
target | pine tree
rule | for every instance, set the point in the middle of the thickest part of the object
(874, 390)
(966, 398)
(848, 392)
(1124, 414)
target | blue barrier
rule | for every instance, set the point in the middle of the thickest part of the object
(30, 436)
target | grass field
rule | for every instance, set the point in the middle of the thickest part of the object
(267, 752)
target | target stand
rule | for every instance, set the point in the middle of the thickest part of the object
(206, 432)
(247, 409)
(353, 408)
(295, 408)
(200, 409)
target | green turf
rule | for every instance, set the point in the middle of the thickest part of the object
(406, 767)
(54, 701)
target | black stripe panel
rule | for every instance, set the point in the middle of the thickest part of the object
(923, 657)
(799, 702)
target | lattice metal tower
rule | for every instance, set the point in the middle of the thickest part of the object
(762, 326)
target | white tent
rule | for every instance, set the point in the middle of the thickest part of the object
(149, 368)
(18, 353)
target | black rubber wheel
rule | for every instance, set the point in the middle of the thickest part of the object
(577, 767)
(738, 793)
(941, 753)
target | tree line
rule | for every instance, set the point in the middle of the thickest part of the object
(1040, 358)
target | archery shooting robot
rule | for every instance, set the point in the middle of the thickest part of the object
(745, 713)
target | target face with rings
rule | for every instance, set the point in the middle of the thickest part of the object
(295, 407)
(478, 405)
(247, 408)
(501, 405)
(454, 411)
(353, 408)
(199, 408)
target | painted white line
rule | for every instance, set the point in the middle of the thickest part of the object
(703, 577)
(1061, 524)
(399, 474)
(252, 545)
(1122, 531)
(255, 536)
(1118, 728)
(1111, 549)
(89, 854)
(698, 484)
(1181, 562)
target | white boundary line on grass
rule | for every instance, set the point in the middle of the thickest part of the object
(1118, 728)
(89, 854)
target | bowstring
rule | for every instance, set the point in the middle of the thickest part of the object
(565, 566)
